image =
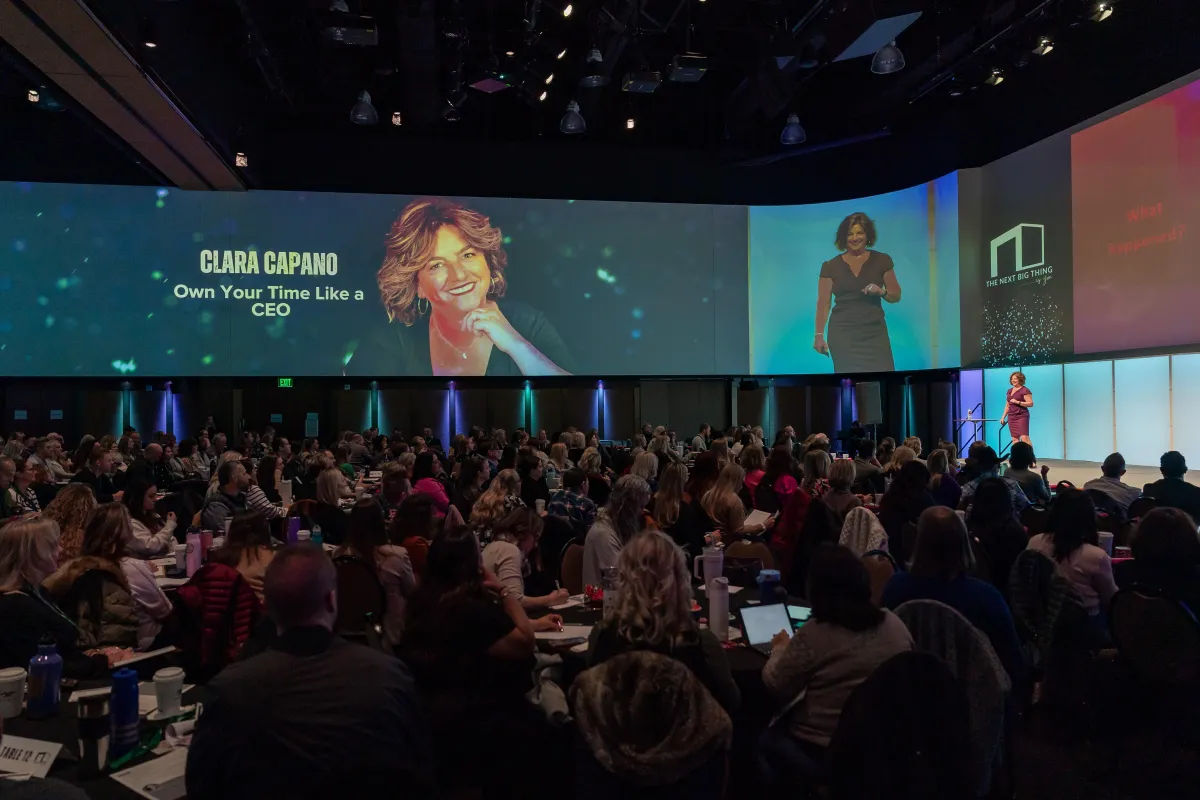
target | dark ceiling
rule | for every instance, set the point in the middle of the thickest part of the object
(262, 77)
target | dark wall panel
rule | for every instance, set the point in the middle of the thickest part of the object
(752, 406)
(506, 409)
(99, 414)
(620, 417)
(548, 413)
(826, 415)
(791, 408)
(352, 410)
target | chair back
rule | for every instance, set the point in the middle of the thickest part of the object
(903, 734)
(571, 571)
(1034, 519)
(941, 630)
(880, 568)
(1105, 504)
(1157, 634)
(908, 540)
(752, 550)
(360, 594)
(557, 533)
(765, 498)
(983, 564)
(1141, 507)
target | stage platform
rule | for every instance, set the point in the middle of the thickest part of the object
(1080, 472)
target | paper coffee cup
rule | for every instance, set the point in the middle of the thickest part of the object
(303, 536)
(540, 505)
(181, 557)
(12, 692)
(168, 691)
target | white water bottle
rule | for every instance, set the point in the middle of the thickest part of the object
(718, 607)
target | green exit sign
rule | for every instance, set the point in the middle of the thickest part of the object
(285, 383)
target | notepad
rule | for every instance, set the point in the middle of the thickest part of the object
(159, 778)
(572, 602)
(568, 632)
(757, 517)
(162, 651)
(732, 589)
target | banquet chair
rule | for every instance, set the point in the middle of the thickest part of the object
(880, 569)
(756, 550)
(360, 597)
(1034, 520)
(908, 541)
(1140, 507)
(571, 573)
(1158, 635)
(903, 734)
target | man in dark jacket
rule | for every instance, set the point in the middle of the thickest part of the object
(344, 722)
(150, 467)
(1173, 491)
(228, 499)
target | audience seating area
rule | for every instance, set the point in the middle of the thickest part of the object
(545, 615)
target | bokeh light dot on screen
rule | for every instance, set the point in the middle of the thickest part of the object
(150, 315)
(170, 301)
(508, 240)
(156, 275)
(5, 284)
(703, 299)
(39, 213)
(171, 352)
(49, 320)
(61, 284)
(635, 333)
(5, 326)
(162, 193)
(160, 204)
(607, 252)
(587, 295)
(206, 317)
(618, 290)
(638, 313)
(198, 237)
(42, 300)
(207, 360)
(19, 245)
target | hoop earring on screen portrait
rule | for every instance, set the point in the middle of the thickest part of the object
(492, 286)
(423, 311)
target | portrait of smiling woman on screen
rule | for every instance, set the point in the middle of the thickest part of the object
(443, 282)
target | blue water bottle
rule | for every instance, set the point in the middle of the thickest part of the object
(124, 712)
(45, 681)
(316, 537)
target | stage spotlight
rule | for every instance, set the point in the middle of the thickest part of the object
(629, 124)
(995, 77)
(1103, 11)
(241, 160)
(593, 72)
(550, 79)
(792, 133)
(567, 9)
(887, 60)
(397, 119)
(561, 54)
(572, 121)
(542, 97)
(1044, 46)
(148, 33)
(34, 96)
(362, 112)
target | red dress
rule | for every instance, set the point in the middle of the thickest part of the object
(1018, 416)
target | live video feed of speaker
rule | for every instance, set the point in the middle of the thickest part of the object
(866, 285)
(1135, 182)
(106, 280)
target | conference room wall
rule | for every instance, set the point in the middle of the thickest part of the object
(1185, 405)
(37, 400)
(683, 405)
(1142, 408)
(1088, 403)
(753, 408)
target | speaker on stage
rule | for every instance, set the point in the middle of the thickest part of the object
(866, 398)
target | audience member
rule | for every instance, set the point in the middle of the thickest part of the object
(47, 457)
(675, 516)
(900, 456)
(71, 508)
(700, 440)
(866, 469)
(754, 461)
(426, 469)
(502, 497)
(914, 443)
(367, 540)
(1072, 541)
(905, 500)
(572, 501)
(1172, 490)
(268, 474)
(229, 498)
(471, 648)
(1110, 483)
(473, 475)
(327, 512)
(29, 555)
(862, 532)
(943, 487)
(248, 549)
(1034, 484)
(994, 525)
(839, 499)
(725, 510)
(132, 606)
(598, 475)
(816, 670)
(507, 556)
(941, 570)
(986, 465)
(343, 722)
(413, 528)
(654, 612)
(1166, 556)
(618, 522)
(150, 467)
(533, 481)
(95, 473)
(153, 536)
(816, 472)
(17, 497)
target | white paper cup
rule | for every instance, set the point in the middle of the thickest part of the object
(303, 536)
(540, 505)
(1106, 541)
(168, 691)
(181, 557)
(12, 692)
(228, 522)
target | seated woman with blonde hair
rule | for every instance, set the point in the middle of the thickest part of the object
(501, 499)
(71, 508)
(725, 509)
(654, 612)
(507, 556)
(900, 456)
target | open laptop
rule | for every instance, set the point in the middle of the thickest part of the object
(761, 623)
